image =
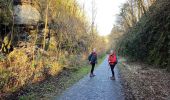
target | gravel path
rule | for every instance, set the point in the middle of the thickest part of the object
(99, 87)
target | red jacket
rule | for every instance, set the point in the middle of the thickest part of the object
(112, 58)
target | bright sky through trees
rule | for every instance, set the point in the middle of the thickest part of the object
(106, 11)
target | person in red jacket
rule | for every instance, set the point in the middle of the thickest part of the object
(112, 60)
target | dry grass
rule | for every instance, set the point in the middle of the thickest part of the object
(26, 66)
(23, 67)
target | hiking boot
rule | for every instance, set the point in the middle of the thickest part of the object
(112, 78)
(92, 75)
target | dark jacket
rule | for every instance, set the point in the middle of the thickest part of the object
(93, 57)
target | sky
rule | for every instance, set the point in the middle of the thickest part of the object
(106, 11)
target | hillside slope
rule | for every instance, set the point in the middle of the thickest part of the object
(149, 40)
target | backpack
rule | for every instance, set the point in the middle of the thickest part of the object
(115, 59)
(89, 58)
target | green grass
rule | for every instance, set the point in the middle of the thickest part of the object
(77, 75)
(55, 87)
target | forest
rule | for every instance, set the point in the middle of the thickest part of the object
(143, 28)
(45, 39)
(142, 36)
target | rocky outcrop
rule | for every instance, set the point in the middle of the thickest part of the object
(16, 2)
(25, 13)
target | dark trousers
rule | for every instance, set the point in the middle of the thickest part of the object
(92, 68)
(112, 66)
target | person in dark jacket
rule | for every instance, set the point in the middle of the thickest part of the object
(112, 60)
(92, 60)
